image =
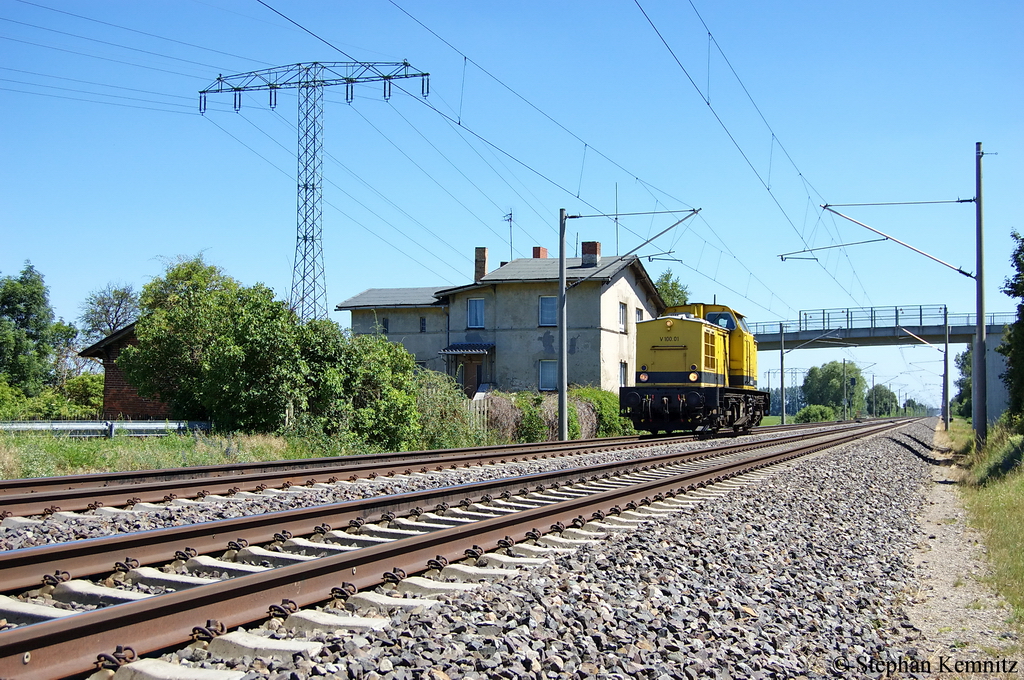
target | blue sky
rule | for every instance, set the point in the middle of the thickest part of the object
(109, 170)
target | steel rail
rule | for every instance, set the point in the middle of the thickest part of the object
(25, 568)
(36, 496)
(88, 498)
(64, 646)
(9, 487)
(131, 479)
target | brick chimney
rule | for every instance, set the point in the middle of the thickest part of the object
(539, 253)
(480, 262)
(591, 253)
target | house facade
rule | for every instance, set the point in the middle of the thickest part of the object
(501, 330)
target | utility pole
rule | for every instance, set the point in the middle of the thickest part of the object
(945, 371)
(782, 371)
(874, 398)
(844, 389)
(979, 374)
(563, 335)
(309, 290)
(508, 218)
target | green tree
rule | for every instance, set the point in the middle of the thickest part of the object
(26, 331)
(880, 401)
(108, 310)
(671, 290)
(962, 403)
(1013, 339)
(213, 349)
(824, 385)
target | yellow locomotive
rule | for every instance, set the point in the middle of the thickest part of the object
(696, 370)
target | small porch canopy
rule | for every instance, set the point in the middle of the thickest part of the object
(468, 348)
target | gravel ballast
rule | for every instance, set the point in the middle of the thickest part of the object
(67, 527)
(800, 575)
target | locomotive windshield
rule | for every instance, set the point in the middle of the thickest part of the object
(723, 319)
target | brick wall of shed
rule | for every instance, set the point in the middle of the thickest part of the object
(120, 398)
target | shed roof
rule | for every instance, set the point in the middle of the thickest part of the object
(98, 349)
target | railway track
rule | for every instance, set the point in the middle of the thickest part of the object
(377, 541)
(50, 495)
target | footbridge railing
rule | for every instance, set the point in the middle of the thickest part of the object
(877, 317)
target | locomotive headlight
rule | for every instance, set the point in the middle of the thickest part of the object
(693, 377)
(668, 324)
(643, 377)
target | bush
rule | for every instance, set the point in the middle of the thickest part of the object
(814, 413)
(606, 407)
(531, 426)
(445, 421)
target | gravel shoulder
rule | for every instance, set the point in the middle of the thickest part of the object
(957, 611)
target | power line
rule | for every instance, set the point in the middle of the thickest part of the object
(90, 82)
(93, 101)
(105, 42)
(133, 30)
(490, 144)
(336, 208)
(94, 56)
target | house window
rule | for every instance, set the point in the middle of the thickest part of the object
(384, 325)
(423, 324)
(475, 313)
(623, 374)
(639, 314)
(548, 310)
(548, 380)
(622, 317)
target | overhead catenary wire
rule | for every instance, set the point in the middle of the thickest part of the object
(735, 142)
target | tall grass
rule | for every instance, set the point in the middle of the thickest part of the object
(48, 455)
(993, 491)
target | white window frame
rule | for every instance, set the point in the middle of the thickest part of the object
(553, 311)
(639, 314)
(623, 374)
(623, 320)
(470, 321)
(552, 371)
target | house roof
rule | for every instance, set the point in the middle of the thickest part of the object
(546, 269)
(521, 270)
(392, 297)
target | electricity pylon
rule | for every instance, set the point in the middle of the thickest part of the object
(309, 290)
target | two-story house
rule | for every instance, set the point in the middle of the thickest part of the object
(501, 330)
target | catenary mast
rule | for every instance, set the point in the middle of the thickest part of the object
(309, 290)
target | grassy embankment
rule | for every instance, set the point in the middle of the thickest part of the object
(993, 492)
(46, 455)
